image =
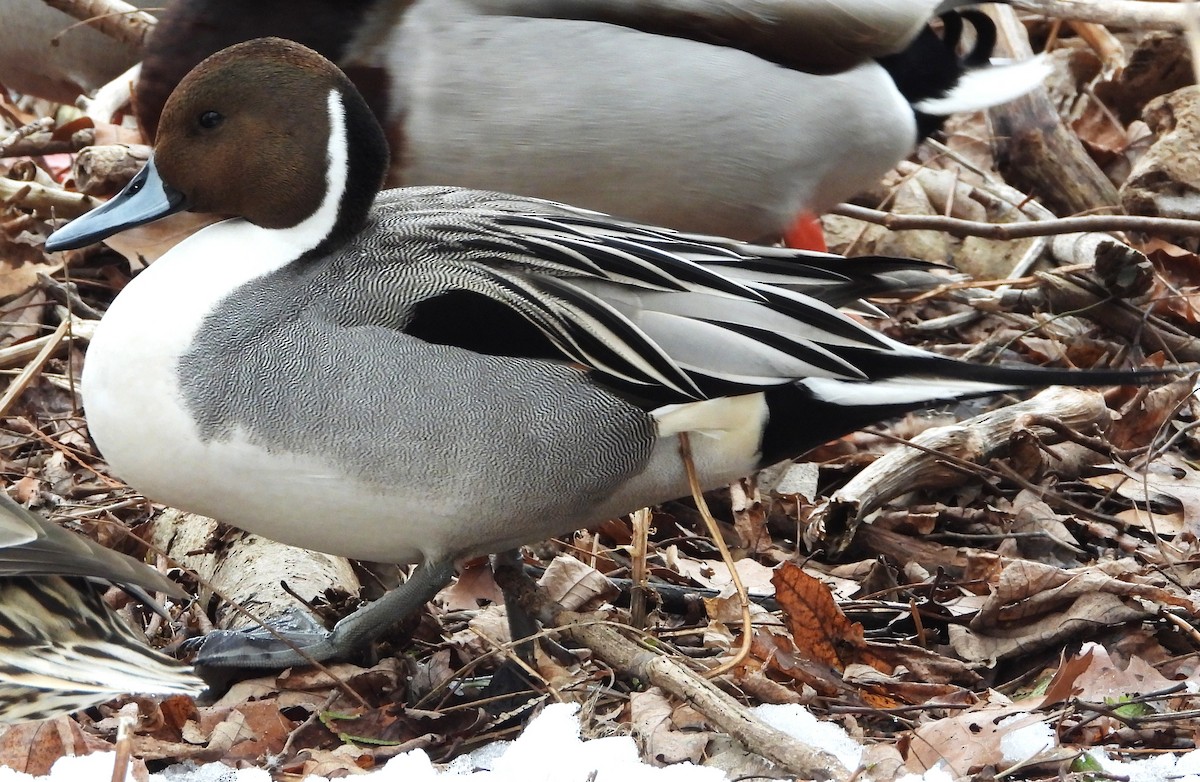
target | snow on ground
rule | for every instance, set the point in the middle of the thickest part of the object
(551, 750)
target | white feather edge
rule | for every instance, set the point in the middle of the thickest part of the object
(985, 87)
(746, 414)
(900, 390)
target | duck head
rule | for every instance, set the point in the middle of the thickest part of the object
(251, 133)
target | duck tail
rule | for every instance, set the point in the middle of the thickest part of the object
(990, 85)
(939, 79)
(900, 383)
(62, 649)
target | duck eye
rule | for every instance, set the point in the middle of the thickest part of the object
(210, 119)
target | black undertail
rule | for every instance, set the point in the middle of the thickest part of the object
(799, 420)
(932, 64)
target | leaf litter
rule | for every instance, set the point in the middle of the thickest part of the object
(1030, 614)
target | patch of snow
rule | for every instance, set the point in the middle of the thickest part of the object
(1160, 768)
(1025, 741)
(549, 750)
(938, 773)
(800, 724)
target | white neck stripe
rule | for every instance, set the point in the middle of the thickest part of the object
(315, 228)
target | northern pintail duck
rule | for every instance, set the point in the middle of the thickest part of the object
(424, 374)
(61, 647)
(700, 115)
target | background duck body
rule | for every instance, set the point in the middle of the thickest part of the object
(701, 116)
(820, 35)
(696, 137)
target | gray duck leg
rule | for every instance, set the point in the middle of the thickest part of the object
(303, 640)
(522, 627)
(521, 623)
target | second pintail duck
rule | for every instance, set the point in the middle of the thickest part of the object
(61, 647)
(717, 116)
(424, 374)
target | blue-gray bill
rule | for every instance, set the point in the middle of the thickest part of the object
(146, 198)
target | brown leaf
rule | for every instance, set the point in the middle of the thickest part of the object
(1102, 679)
(1062, 686)
(779, 655)
(817, 625)
(342, 761)
(33, 747)
(473, 588)
(965, 742)
(661, 739)
(575, 585)
(1170, 483)
(396, 725)
(1104, 138)
(1023, 638)
(750, 516)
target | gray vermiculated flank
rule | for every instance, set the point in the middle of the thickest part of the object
(312, 359)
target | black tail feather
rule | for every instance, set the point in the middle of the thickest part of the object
(788, 435)
(888, 365)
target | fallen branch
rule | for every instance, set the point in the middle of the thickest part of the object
(247, 570)
(721, 709)
(1135, 14)
(119, 21)
(1120, 317)
(1061, 225)
(1034, 149)
(45, 200)
(834, 521)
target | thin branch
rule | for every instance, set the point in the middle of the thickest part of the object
(1135, 14)
(1062, 225)
(119, 21)
(685, 452)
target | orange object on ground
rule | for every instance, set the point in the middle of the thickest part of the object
(805, 234)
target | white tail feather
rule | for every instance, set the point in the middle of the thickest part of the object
(985, 87)
(901, 390)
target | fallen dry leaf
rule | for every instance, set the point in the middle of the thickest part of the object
(819, 628)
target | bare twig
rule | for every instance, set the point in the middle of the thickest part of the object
(31, 370)
(1136, 14)
(685, 452)
(43, 125)
(637, 571)
(119, 21)
(126, 721)
(1063, 225)
(721, 709)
